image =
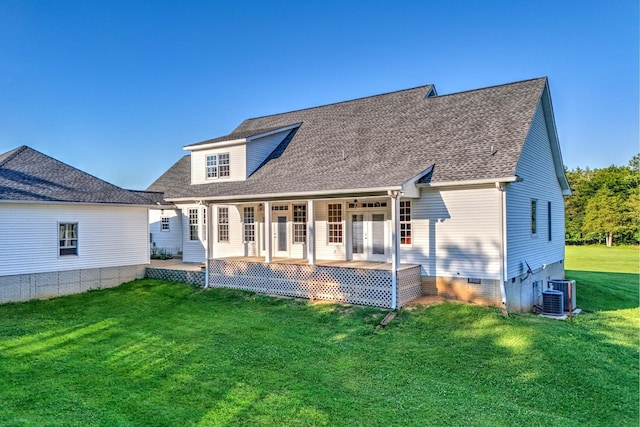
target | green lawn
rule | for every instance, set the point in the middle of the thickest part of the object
(157, 353)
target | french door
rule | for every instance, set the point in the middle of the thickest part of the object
(369, 236)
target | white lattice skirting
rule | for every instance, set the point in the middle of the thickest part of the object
(341, 284)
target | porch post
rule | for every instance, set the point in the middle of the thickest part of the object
(311, 232)
(267, 232)
(209, 245)
(395, 256)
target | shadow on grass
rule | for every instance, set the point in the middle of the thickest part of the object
(605, 291)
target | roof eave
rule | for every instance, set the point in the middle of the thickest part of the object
(292, 195)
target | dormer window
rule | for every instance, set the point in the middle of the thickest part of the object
(218, 166)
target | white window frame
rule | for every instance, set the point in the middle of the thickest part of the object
(164, 224)
(249, 224)
(335, 228)
(223, 224)
(299, 234)
(218, 166)
(205, 230)
(406, 238)
(193, 224)
(67, 238)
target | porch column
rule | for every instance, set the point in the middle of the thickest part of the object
(267, 232)
(209, 246)
(395, 245)
(311, 232)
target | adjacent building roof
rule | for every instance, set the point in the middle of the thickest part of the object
(28, 175)
(382, 141)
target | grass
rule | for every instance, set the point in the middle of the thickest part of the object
(159, 353)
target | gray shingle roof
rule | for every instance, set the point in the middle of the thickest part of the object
(384, 141)
(28, 175)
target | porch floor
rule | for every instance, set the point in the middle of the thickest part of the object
(366, 265)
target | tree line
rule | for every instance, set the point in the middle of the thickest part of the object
(605, 205)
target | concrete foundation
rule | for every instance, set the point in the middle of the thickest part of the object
(24, 287)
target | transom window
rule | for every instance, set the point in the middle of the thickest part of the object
(405, 222)
(299, 223)
(68, 236)
(335, 222)
(193, 224)
(164, 224)
(218, 166)
(223, 224)
(249, 224)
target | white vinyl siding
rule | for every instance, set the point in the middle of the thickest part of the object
(539, 182)
(324, 250)
(171, 239)
(456, 233)
(235, 245)
(259, 149)
(108, 236)
(192, 250)
(237, 165)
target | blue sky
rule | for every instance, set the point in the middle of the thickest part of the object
(117, 88)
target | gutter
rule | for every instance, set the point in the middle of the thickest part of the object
(505, 179)
(301, 194)
(58, 202)
(501, 187)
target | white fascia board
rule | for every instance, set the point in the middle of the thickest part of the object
(471, 182)
(51, 202)
(272, 132)
(550, 122)
(301, 194)
(218, 144)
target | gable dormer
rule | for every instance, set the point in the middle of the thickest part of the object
(236, 156)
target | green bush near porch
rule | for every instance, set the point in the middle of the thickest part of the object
(161, 353)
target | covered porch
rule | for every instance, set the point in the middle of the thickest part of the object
(353, 282)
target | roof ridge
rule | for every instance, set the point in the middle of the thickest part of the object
(341, 102)
(12, 154)
(489, 87)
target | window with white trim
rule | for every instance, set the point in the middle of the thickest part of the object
(334, 222)
(405, 222)
(193, 224)
(205, 230)
(223, 224)
(218, 166)
(249, 221)
(534, 216)
(299, 223)
(68, 237)
(549, 221)
(164, 224)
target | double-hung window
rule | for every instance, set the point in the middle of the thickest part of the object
(164, 224)
(299, 223)
(193, 224)
(249, 221)
(218, 166)
(405, 222)
(223, 224)
(68, 237)
(335, 222)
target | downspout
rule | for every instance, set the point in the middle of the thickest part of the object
(503, 245)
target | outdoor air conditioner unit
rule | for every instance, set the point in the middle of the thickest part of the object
(563, 286)
(552, 302)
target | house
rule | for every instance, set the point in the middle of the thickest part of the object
(382, 199)
(65, 231)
